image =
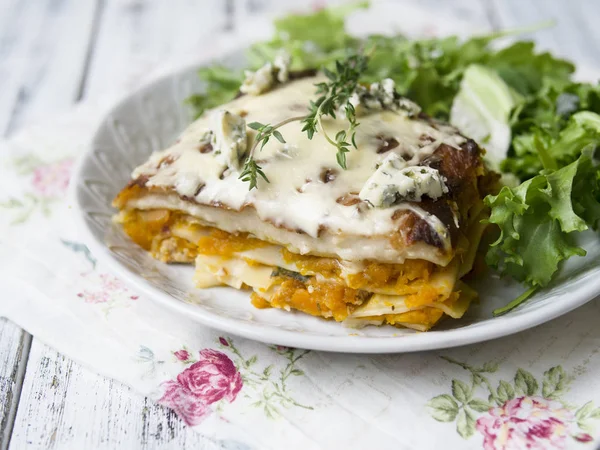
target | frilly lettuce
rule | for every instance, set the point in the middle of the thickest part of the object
(312, 40)
(537, 218)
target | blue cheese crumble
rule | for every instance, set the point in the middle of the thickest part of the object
(267, 76)
(228, 137)
(380, 96)
(394, 182)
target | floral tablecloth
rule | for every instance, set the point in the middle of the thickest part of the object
(539, 389)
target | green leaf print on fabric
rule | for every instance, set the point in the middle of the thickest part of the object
(443, 408)
(525, 384)
(555, 382)
(505, 392)
(78, 247)
(461, 391)
(465, 424)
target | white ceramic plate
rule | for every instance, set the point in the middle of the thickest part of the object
(150, 119)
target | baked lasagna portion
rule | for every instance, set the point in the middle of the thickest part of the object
(386, 240)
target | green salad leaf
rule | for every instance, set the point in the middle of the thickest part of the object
(526, 71)
(312, 40)
(540, 121)
(325, 28)
(222, 85)
(428, 71)
(482, 109)
(536, 220)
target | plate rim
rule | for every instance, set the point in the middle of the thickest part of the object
(419, 341)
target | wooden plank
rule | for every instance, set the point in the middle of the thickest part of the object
(136, 38)
(575, 34)
(14, 347)
(64, 405)
(41, 68)
(58, 408)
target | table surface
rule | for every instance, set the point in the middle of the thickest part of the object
(54, 53)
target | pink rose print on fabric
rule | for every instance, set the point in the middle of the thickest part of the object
(583, 438)
(213, 378)
(52, 180)
(534, 423)
(112, 284)
(110, 289)
(182, 355)
(191, 410)
(93, 297)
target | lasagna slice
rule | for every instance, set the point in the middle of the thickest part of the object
(386, 240)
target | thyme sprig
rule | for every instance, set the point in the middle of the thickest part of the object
(334, 95)
(252, 170)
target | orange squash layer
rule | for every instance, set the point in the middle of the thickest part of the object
(334, 301)
(377, 275)
(321, 299)
(328, 267)
(426, 317)
(328, 299)
(144, 227)
(374, 275)
(221, 243)
(149, 228)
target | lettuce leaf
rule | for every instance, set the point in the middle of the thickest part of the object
(481, 110)
(541, 121)
(222, 84)
(527, 71)
(312, 40)
(428, 71)
(536, 218)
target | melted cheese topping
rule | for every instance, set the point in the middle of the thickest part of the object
(306, 183)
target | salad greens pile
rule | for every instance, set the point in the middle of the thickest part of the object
(540, 127)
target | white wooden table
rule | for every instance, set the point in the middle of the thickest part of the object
(54, 53)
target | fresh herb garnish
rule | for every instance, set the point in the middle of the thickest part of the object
(333, 96)
(251, 172)
(265, 132)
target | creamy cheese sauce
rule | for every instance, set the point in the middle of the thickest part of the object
(305, 179)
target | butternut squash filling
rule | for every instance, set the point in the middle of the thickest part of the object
(415, 294)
